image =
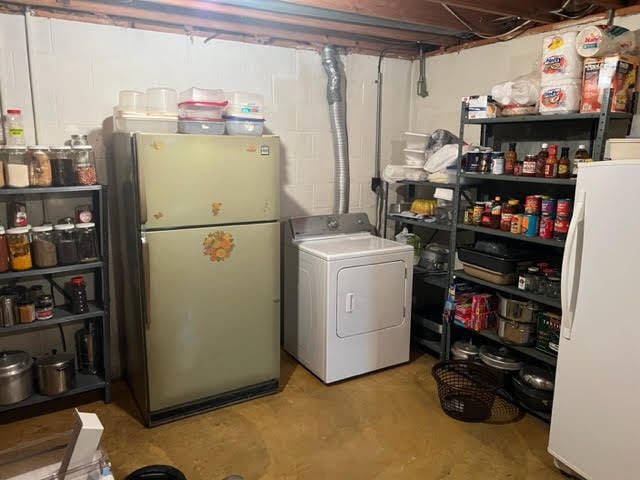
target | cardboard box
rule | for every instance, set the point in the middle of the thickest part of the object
(480, 106)
(548, 338)
(618, 72)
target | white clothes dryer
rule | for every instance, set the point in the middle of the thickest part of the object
(347, 296)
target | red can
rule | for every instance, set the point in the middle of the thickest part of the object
(560, 228)
(532, 204)
(564, 207)
(546, 227)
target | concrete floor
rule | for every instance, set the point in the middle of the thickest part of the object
(386, 425)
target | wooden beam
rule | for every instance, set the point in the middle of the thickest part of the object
(537, 10)
(199, 6)
(411, 11)
(611, 4)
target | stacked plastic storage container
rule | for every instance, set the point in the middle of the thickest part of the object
(244, 114)
(200, 111)
(151, 111)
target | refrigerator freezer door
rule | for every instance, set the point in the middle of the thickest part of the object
(196, 180)
(214, 311)
(595, 423)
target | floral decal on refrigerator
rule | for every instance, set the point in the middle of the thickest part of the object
(215, 208)
(218, 246)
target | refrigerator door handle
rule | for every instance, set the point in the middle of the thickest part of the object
(569, 282)
(145, 268)
(142, 190)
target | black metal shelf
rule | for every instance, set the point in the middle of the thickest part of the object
(432, 345)
(419, 223)
(551, 302)
(520, 179)
(39, 272)
(591, 117)
(421, 319)
(528, 351)
(514, 236)
(544, 416)
(41, 190)
(61, 316)
(440, 280)
(426, 183)
(84, 383)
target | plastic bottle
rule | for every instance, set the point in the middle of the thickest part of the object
(79, 303)
(510, 159)
(14, 127)
(551, 165)
(581, 155)
(542, 160)
(564, 164)
(496, 213)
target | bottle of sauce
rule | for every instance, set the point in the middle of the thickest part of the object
(510, 159)
(509, 209)
(581, 155)
(564, 164)
(551, 165)
(541, 160)
(496, 213)
(529, 166)
(517, 168)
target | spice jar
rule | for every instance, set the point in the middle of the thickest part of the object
(87, 241)
(84, 164)
(4, 251)
(16, 168)
(79, 302)
(43, 247)
(44, 307)
(19, 248)
(66, 244)
(26, 311)
(39, 167)
(62, 166)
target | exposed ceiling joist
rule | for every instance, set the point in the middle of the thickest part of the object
(537, 10)
(612, 4)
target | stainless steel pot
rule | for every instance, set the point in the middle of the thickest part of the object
(56, 373)
(538, 378)
(516, 333)
(464, 351)
(525, 312)
(16, 376)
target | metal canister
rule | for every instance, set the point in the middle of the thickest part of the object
(478, 209)
(497, 163)
(485, 162)
(467, 219)
(546, 226)
(564, 207)
(8, 310)
(532, 204)
(473, 161)
(548, 207)
(530, 225)
(516, 223)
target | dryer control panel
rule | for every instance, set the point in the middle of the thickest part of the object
(329, 225)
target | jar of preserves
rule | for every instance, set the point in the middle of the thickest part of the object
(84, 165)
(66, 247)
(43, 247)
(4, 251)
(62, 166)
(529, 166)
(19, 248)
(40, 174)
(16, 168)
(87, 242)
(508, 210)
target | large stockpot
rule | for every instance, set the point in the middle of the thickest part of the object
(56, 373)
(16, 376)
(464, 351)
(519, 311)
(504, 363)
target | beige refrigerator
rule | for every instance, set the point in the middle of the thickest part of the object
(196, 259)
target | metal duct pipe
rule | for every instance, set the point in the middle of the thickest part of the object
(337, 113)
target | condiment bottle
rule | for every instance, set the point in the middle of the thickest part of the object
(541, 160)
(517, 168)
(510, 159)
(496, 213)
(564, 164)
(79, 303)
(551, 165)
(581, 155)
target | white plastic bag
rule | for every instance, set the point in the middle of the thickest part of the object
(410, 239)
(443, 158)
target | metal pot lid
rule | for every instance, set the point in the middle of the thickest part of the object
(14, 362)
(464, 348)
(500, 357)
(538, 378)
(55, 360)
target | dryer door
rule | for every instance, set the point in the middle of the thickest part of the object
(370, 298)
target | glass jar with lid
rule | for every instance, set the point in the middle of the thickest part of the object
(66, 247)
(62, 166)
(16, 170)
(87, 241)
(19, 248)
(43, 247)
(84, 165)
(39, 167)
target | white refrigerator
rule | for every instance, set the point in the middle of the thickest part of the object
(595, 425)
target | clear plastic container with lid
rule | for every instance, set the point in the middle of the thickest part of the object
(40, 174)
(14, 127)
(62, 166)
(16, 168)
(162, 101)
(19, 248)
(43, 247)
(84, 165)
(87, 242)
(66, 247)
